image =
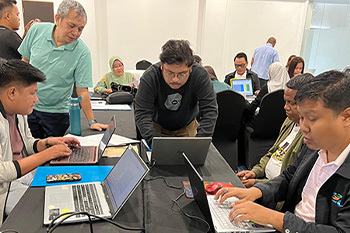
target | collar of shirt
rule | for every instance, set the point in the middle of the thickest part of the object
(69, 46)
(244, 76)
(339, 161)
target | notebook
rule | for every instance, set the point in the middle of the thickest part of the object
(102, 199)
(167, 150)
(217, 216)
(88, 154)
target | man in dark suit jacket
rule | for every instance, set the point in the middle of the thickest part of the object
(241, 72)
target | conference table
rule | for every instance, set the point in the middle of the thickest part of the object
(149, 209)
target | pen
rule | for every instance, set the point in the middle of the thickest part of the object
(145, 143)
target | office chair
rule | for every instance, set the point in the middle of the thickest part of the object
(143, 65)
(259, 140)
(231, 105)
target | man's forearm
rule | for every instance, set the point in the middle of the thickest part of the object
(85, 103)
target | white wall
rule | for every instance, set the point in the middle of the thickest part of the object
(217, 29)
(235, 26)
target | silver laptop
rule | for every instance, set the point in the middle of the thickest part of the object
(88, 154)
(167, 150)
(102, 199)
(217, 216)
(243, 86)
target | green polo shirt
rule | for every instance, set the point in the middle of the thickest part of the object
(62, 66)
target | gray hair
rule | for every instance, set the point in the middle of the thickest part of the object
(67, 5)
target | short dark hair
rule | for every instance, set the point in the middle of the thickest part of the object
(197, 58)
(331, 88)
(20, 72)
(293, 63)
(4, 4)
(299, 81)
(177, 51)
(240, 55)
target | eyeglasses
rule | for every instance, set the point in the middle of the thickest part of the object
(240, 65)
(180, 75)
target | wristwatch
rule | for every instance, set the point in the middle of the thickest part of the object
(92, 122)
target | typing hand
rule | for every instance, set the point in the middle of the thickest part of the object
(58, 150)
(248, 182)
(256, 213)
(243, 195)
(64, 140)
(244, 175)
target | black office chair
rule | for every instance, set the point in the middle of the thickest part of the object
(259, 140)
(143, 65)
(231, 106)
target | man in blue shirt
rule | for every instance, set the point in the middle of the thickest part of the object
(263, 57)
(58, 52)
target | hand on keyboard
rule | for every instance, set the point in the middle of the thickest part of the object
(243, 195)
(58, 151)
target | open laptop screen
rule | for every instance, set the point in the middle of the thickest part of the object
(242, 86)
(106, 136)
(125, 177)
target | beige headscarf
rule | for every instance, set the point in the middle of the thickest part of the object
(278, 77)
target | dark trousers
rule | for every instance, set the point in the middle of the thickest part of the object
(44, 124)
(263, 82)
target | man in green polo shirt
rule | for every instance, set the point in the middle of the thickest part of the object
(58, 52)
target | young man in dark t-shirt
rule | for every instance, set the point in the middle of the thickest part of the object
(174, 94)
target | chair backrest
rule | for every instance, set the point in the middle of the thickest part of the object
(271, 116)
(231, 105)
(143, 65)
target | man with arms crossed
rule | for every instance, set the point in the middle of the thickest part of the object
(173, 93)
(64, 58)
(316, 188)
(18, 85)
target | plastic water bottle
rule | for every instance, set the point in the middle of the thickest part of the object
(74, 116)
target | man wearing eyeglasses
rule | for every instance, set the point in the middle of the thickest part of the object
(173, 94)
(241, 72)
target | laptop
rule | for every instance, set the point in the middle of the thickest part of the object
(243, 86)
(217, 216)
(167, 150)
(102, 199)
(88, 154)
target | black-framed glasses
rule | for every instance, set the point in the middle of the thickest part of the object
(240, 65)
(180, 75)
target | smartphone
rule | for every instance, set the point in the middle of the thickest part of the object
(69, 177)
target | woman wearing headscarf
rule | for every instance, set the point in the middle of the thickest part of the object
(218, 86)
(278, 77)
(117, 75)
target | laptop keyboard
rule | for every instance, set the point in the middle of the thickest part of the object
(221, 214)
(86, 199)
(80, 154)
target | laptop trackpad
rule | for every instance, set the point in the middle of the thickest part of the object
(58, 198)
